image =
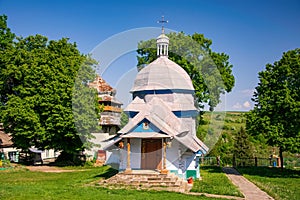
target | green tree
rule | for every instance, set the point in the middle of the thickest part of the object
(124, 119)
(242, 150)
(276, 114)
(6, 46)
(42, 85)
(223, 148)
(194, 55)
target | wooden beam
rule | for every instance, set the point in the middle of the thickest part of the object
(164, 170)
(128, 168)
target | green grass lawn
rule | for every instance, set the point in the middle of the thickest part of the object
(214, 181)
(279, 184)
(22, 184)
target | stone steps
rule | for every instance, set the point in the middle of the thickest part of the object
(148, 180)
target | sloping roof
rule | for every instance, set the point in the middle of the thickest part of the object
(158, 113)
(192, 142)
(101, 85)
(144, 135)
(136, 105)
(5, 139)
(110, 98)
(162, 74)
(33, 150)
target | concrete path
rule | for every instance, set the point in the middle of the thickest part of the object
(249, 190)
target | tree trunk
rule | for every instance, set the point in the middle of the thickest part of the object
(281, 158)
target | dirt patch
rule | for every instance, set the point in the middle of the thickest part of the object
(51, 169)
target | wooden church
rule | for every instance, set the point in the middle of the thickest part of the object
(161, 132)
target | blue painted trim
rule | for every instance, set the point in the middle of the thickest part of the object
(199, 153)
(140, 127)
(186, 113)
(131, 114)
(165, 91)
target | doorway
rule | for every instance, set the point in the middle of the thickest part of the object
(151, 153)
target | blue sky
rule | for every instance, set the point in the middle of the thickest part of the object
(253, 33)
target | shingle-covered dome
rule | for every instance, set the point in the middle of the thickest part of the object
(162, 74)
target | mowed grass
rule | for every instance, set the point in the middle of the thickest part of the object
(22, 184)
(214, 181)
(283, 185)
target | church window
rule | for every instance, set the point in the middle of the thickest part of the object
(145, 125)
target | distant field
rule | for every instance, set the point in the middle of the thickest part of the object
(283, 185)
(218, 130)
(22, 185)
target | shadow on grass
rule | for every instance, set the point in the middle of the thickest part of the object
(213, 169)
(109, 173)
(271, 172)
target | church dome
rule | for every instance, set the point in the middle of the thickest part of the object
(162, 74)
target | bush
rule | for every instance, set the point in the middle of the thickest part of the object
(6, 164)
(70, 159)
(89, 164)
(226, 127)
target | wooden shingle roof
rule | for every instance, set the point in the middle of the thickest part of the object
(5, 139)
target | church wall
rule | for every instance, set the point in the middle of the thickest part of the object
(176, 163)
(182, 163)
(173, 156)
(135, 155)
(182, 99)
(113, 158)
(123, 158)
(190, 123)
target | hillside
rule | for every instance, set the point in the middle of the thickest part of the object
(218, 130)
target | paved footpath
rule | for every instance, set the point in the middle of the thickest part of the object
(249, 190)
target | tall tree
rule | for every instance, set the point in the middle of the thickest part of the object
(276, 114)
(41, 89)
(6, 46)
(242, 149)
(211, 72)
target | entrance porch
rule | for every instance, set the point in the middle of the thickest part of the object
(145, 154)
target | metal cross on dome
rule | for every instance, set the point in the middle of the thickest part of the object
(162, 22)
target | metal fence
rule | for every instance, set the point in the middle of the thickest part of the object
(208, 161)
(258, 162)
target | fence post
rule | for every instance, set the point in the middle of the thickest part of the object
(279, 162)
(255, 160)
(218, 161)
(233, 161)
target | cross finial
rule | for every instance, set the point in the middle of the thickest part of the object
(162, 22)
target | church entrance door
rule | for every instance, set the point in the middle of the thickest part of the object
(151, 153)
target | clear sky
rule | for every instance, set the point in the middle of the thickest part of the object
(253, 33)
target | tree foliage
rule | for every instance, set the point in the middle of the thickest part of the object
(276, 114)
(223, 148)
(210, 72)
(242, 150)
(38, 89)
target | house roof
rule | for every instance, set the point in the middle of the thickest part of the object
(5, 139)
(162, 74)
(109, 98)
(101, 85)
